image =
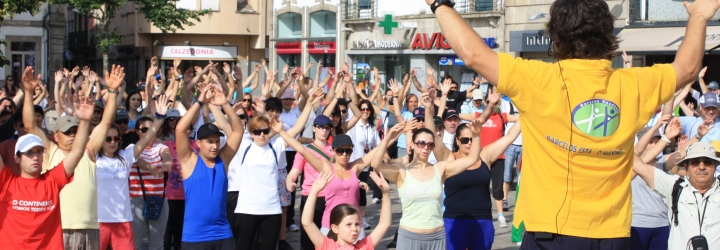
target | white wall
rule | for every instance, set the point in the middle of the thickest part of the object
(26, 31)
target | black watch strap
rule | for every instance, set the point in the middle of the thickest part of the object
(438, 3)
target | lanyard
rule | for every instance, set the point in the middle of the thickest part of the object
(701, 220)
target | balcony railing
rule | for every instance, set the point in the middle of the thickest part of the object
(469, 6)
(81, 38)
(365, 9)
(359, 10)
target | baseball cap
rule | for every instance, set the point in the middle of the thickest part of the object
(709, 99)
(449, 113)
(27, 142)
(644, 131)
(65, 123)
(173, 113)
(287, 95)
(419, 112)
(700, 149)
(207, 130)
(141, 87)
(321, 120)
(341, 140)
(121, 114)
(438, 121)
(99, 103)
(713, 85)
(477, 94)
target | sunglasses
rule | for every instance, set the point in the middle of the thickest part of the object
(261, 131)
(111, 139)
(242, 116)
(343, 111)
(123, 122)
(144, 130)
(364, 109)
(427, 145)
(343, 151)
(97, 111)
(465, 140)
(326, 128)
(70, 132)
(706, 162)
(246, 100)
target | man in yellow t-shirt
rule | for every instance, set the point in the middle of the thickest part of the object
(579, 118)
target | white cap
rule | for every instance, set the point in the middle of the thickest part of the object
(477, 94)
(173, 113)
(26, 142)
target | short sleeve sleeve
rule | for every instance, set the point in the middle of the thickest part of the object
(279, 145)
(299, 162)
(687, 123)
(518, 79)
(664, 182)
(162, 147)
(128, 154)
(656, 85)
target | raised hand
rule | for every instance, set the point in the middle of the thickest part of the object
(226, 68)
(673, 128)
(625, 56)
(702, 72)
(285, 69)
(380, 181)
(115, 77)
(702, 8)
(92, 77)
(257, 68)
(75, 71)
(494, 98)
(218, 98)
(316, 97)
(238, 73)
(319, 66)
(161, 104)
(323, 179)
(276, 125)
(682, 140)
(29, 81)
(151, 71)
(263, 62)
(413, 73)
(393, 85)
(430, 72)
(405, 79)
(396, 131)
(705, 127)
(425, 99)
(412, 125)
(59, 76)
(176, 63)
(258, 105)
(476, 127)
(84, 106)
(203, 95)
(154, 61)
(86, 71)
(445, 87)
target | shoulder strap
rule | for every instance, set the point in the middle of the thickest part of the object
(274, 153)
(317, 150)
(141, 182)
(512, 109)
(245, 154)
(677, 189)
(503, 122)
(248, 149)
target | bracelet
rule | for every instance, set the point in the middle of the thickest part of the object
(698, 136)
(113, 91)
(159, 116)
(665, 139)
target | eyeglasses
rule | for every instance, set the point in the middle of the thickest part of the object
(246, 100)
(111, 139)
(261, 131)
(343, 151)
(465, 140)
(242, 116)
(144, 130)
(427, 145)
(326, 128)
(123, 122)
(97, 111)
(30, 154)
(70, 132)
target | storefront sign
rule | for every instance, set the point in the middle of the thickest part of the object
(321, 47)
(197, 52)
(450, 61)
(378, 44)
(426, 41)
(283, 48)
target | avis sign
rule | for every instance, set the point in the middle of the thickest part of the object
(427, 42)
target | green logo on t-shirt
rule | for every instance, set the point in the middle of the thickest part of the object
(596, 117)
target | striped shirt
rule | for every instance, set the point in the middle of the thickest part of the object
(153, 186)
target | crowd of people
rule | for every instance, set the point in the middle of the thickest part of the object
(192, 160)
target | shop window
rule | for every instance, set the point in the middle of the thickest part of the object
(290, 25)
(322, 24)
(22, 54)
(484, 5)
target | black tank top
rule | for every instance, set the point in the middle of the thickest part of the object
(467, 195)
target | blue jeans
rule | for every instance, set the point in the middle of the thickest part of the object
(642, 238)
(512, 157)
(462, 234)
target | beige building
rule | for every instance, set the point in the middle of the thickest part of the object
(233, 31)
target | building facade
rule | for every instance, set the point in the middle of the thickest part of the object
(34, 40)
(397, 37)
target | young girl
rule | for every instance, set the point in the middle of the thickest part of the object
(344, 219)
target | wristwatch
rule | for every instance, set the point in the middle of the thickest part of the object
(438, 3)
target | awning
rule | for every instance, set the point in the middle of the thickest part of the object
(665, 39)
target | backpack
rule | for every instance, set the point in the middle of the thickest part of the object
(248, 149)
(677, 189)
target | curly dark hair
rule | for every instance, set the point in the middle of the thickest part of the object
(582, 29)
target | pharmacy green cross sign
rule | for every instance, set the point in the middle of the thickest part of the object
(388, 24)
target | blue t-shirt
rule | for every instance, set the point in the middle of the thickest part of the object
(205, 203)
(690, 126)
(406, 115)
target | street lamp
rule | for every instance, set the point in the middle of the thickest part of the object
(537, 16)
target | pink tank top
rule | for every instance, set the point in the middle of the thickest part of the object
(340, 191)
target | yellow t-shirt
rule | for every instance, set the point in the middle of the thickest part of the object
(78, 199)
(604, 108)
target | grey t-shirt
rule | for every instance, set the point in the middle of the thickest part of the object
(649, 209)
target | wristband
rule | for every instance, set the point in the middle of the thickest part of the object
(159, 116)
(113, 91)
(698, 136)
(665, 139)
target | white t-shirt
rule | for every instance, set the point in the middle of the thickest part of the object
(363, 135)
(448, 139)
(256, 179)
(113, 193)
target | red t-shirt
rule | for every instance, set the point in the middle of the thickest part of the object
(493, 130)
(364, 244)
(30, 210)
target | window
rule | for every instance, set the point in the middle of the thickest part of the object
(484, 5)
(290, 25)
(22, 54)
(213, 5)
(186, 4)
(322, 24)
(364, 4)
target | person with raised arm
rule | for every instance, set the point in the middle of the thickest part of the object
(204, 175)
(30, 201)
(345, 219)
(253, 179)
(420, 186)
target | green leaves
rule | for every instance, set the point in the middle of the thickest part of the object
(164, 15)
